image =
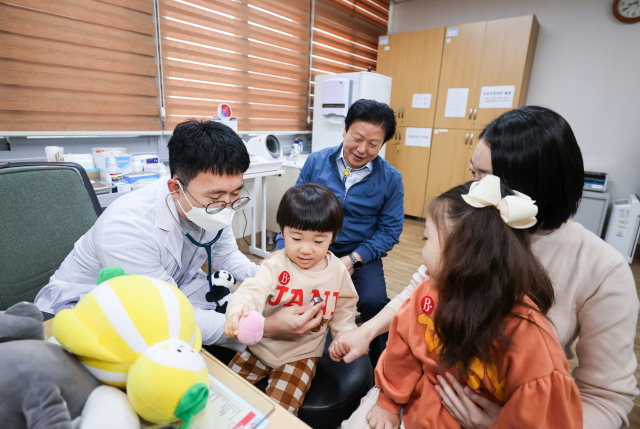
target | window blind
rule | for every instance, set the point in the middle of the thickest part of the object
(78, 65)
(345, 35)
(253, 54)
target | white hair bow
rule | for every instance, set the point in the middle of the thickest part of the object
(518, 211)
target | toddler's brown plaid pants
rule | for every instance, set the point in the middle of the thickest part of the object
(288, 384)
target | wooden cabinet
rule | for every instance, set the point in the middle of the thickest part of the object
(486, 54)
(413, 61)
(413, 163)
(461, 60)
(451, 152)
(471, 57)
(507, 59)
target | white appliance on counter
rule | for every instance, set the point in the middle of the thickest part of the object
(265, 153)
(624, 226)
(331, 102)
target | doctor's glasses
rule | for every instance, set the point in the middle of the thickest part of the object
(218, 206)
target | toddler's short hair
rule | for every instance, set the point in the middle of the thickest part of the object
(310, 207)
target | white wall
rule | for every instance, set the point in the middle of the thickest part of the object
(586, 67)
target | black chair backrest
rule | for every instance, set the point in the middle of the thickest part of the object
(44, 209)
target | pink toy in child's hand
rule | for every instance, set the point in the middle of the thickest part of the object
(251, 328)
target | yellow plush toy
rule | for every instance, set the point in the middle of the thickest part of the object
(140, 333)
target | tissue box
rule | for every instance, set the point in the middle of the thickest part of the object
(134, 177)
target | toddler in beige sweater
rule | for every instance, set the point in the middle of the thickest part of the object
(309, 216)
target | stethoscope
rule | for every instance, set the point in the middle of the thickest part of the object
(206, 246)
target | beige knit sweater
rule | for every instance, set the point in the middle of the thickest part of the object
(281, 283)
(595, 299)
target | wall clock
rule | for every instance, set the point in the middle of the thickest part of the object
(627, 10)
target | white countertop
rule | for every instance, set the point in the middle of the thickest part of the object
(296, 164)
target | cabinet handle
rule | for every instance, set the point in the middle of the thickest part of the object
(400, 135)
(403, 114)
(475, 112)
(471, 140)
(470, 112)
(466, 139)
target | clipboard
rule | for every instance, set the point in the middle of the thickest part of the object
(238, 385)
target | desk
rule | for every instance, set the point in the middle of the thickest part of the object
(278, 419)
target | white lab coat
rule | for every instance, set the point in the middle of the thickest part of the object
(137, 233)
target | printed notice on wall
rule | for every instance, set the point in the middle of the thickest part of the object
(384, 40)
(497, 97)
(420, 137)
(421, 101)
(452, 31)
(456, 106)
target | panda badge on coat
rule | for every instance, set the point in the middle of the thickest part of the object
(222, 281)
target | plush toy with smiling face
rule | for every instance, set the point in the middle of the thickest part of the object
(115, 331)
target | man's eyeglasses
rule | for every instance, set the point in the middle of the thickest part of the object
(218, 206)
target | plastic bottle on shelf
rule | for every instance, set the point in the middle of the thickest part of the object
(113, 170)
(136, 165)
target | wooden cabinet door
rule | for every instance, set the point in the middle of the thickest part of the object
(472, 147)
(507, 58)
(422, 76)
(392, 150)
(449, 152)
(461, 58)
(414, 166)
(392, 62)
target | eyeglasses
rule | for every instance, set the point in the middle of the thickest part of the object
(218, 206)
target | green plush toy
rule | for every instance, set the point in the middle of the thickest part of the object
(140, 333)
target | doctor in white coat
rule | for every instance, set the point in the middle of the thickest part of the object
(145, 232)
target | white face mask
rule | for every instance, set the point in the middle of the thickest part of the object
(209, 222)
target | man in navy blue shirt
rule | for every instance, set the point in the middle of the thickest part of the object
(372, 197)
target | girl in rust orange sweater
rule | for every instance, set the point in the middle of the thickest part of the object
(479, 318)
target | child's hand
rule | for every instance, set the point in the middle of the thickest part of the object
(231, 328)
(471, 410)
(338, 349)
(379, 418)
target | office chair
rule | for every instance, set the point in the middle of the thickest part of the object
(45, 207)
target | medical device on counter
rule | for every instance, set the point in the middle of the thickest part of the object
(265, 153)
(224, 117)
(624, 226)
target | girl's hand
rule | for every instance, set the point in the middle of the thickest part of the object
(338, 349)
(379, 418)
(461, 403)
(352, 344)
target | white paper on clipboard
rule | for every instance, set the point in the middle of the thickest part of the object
(224, 410)
(456, 105)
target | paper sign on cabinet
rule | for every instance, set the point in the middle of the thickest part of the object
(456, 106)
(421, 101)
(497, 97)
(420, 137)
